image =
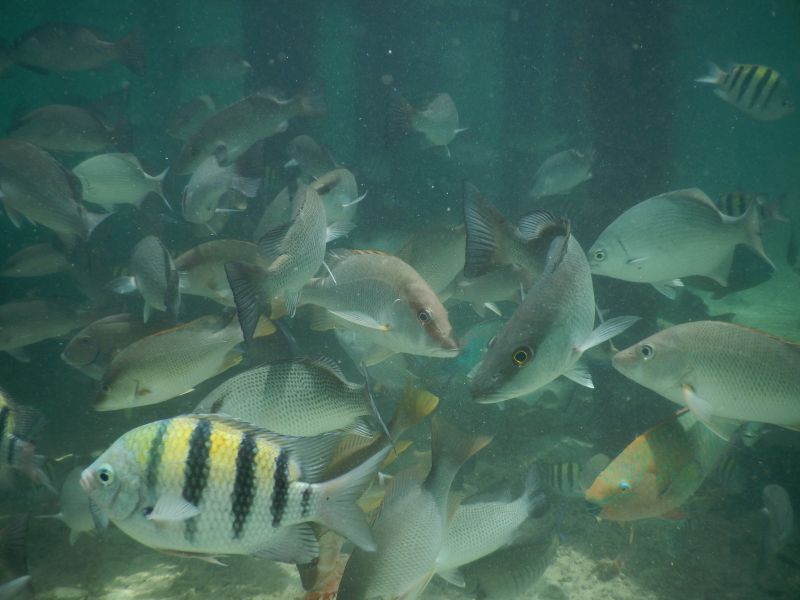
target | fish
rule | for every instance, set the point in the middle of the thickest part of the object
(383, 299)
(411, 528)
(92, 349)
(295, 251)
(154, 276)
(75, 510)
(35, 186)
(65, 128)
(502, 284)
(217, 63)
(561, 173)
(437, 254)
(778, 518)
(477, 529)
(228, 133)
(190, 115)
(66, 48)
(27, 322)
(437, 123)
(313, 159)
(207, 485)
(757, 90)
(172, 362)
(203, 194)
(719, 371)
(572, 479)
(201, 270)
(18, 424)
(657, 472)
(36, 260)
(675, 235)
(735, 204)
(110, 180)
(550, 330)
(299, 397)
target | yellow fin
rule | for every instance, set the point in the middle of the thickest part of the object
(264, 327)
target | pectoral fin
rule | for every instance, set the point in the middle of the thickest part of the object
(170, 509)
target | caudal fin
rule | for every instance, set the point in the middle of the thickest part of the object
(131, 52)
(714, 75)
(339, 510)
(245, 281)
(415, 405)
(400, 115)
(450, 448)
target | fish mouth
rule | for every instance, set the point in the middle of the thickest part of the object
(88, 482)
(489, 397)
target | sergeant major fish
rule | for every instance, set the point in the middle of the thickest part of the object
(756, 90)
(17, 424)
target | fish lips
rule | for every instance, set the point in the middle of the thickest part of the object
(624, 360)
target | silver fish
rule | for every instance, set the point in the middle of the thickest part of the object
(75, 511)
(110, 180)
(561, 173)
(437, 122)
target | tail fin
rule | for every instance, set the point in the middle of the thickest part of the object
(714, 75)
(245, 281)
(450, 448)
(91, 221)
(310, 101)
(131, 52)
(339, 510)
(752, 226)
(13, 555)
(415, 405)
(484, 226)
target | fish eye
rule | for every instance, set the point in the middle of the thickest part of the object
(424, 315)
(105, 474)
(599, 255)
(646, 351)
(491, 342)
(624, 486)
(521, 355)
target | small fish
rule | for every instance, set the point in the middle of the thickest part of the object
(35, 261)
(383, 299)
(756, 90)
(35, 186)
(719, 371)
(75, 511)
(299, 397)
(295, 250)
(65, 48)
(169, 363)
(203, 194)
(93, 348)
(228, 133)
(437, 122)
(201, 269)
(572, 479)
(18, 424)
(506, 283)
(190, 115)
(550, 330)
(778, 522)
(65, 128)
(735, 204)
(313, 159)
(209, 485)
(436, 253)
(110, 180)
(477, 529)
(30, 321)
(561, 173)
(154, 275)
(217, 63)
(411, 528)
(674, 235)
(659, 471)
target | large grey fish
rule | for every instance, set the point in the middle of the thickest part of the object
(169, 363)
(34, 186)
(674, 235)
(295, 250)
(93, 348)
(411, 528)
(436, 253)
(203, 194)
(779, 522)
(64, 128)
(202, 269)
(114, 179)
(719, 370)
(561, 173)
(549, 331)
(437, 122)
(756, 90)
(154, 275)
(74, 507)
(385, 300)
(303, 397)
(228, 133)
(313, 159)
(218, 63)
(64, 48)
(207, 485)
(35, 261)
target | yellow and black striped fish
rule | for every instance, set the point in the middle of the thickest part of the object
(757, 90)
(17, 424)
(206, 485)
(735, 204)
(571, 479)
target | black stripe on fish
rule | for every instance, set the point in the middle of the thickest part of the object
(762, 83)
(746, 82)
(5, 412)
(571, 475)
(737, 72)
(12, 444)
(244, 486)
(154, 456)
(280, 487)
(771, 91)
(305, 501)
(196, 471)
